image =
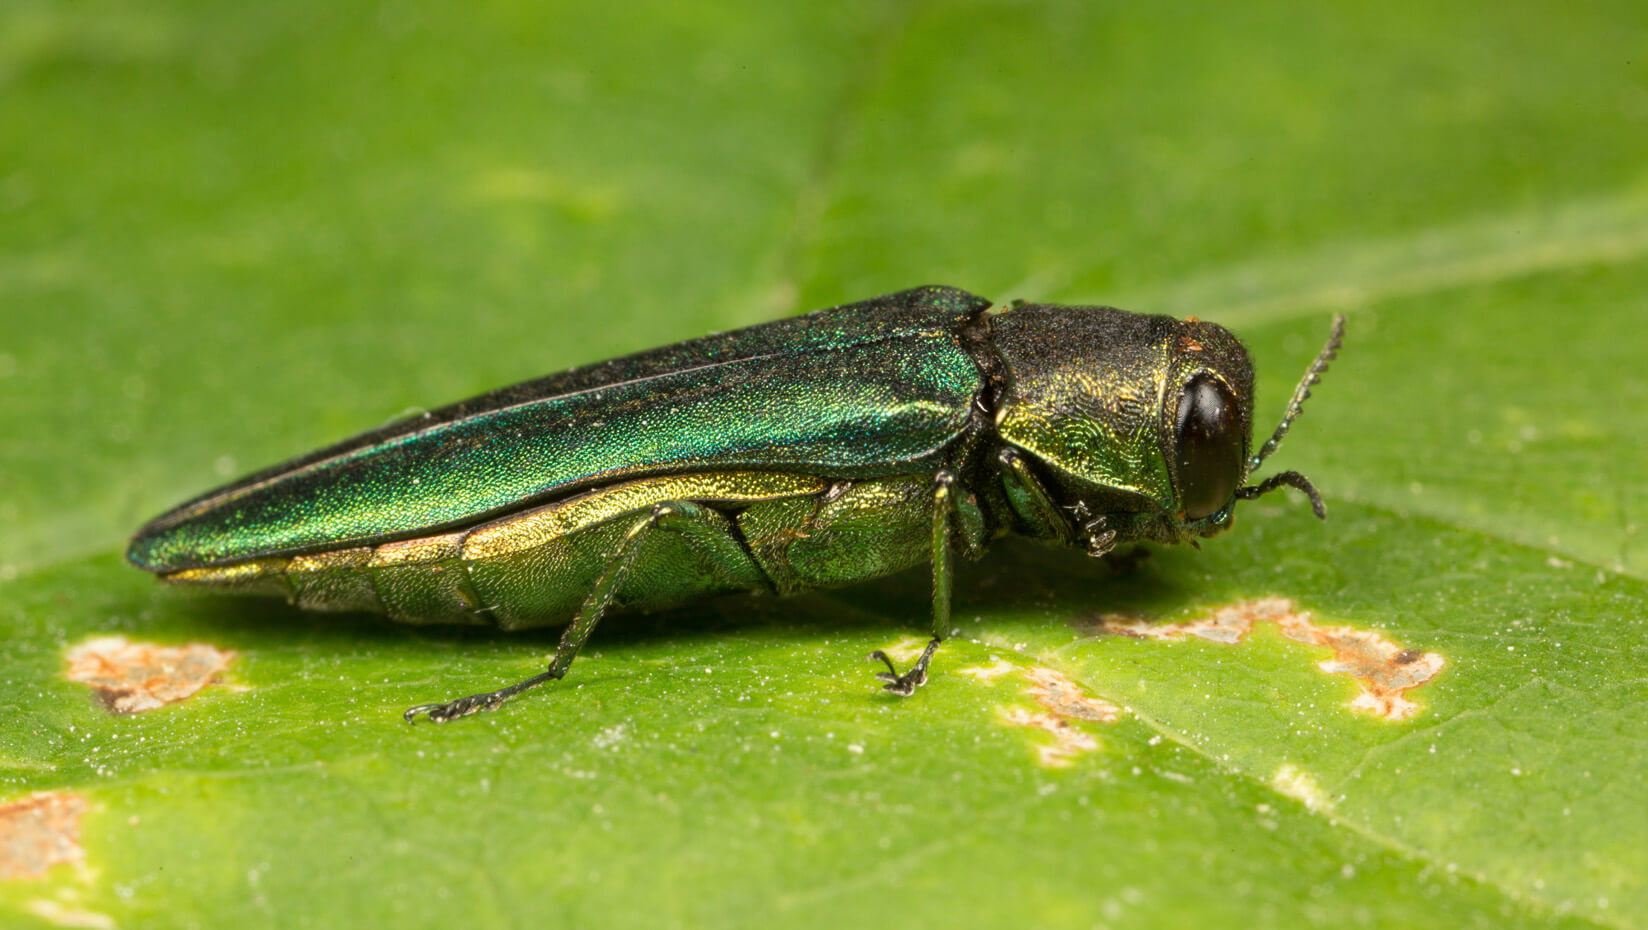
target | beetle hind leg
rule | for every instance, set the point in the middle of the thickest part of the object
(693, 521)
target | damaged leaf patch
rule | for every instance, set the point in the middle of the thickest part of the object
(1063, 704)
(132, 677)
(1066, 698)
(1385, 671)
(1068, 740)
(39, 832)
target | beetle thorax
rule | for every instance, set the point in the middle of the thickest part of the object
(1094, 395)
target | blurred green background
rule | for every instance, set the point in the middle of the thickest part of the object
(231, 233)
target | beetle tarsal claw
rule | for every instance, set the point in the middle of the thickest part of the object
(491, 700)
(434, 711)
(1099, 539)
(906, 684)
(437, 713)
(452, 710)
(902, 685)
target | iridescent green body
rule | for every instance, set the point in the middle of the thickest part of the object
(877, 388)
(805, 453)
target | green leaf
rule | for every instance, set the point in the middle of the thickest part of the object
(229, 234)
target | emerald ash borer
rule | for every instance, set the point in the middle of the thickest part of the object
(804, 453)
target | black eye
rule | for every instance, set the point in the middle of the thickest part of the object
(1208, 458)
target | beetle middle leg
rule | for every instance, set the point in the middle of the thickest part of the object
(691, 520)
(945, 489)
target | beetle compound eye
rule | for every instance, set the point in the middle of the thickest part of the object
(1208, 456)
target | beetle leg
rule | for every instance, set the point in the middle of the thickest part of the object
(1031, 502)
(944, 509)
(675, 516)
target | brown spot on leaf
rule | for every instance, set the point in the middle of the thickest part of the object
(39, 832)
(132, 677)
(1068, 741)
(1066, 698)
(1384, 670)
(1227, 625)
(1064, 703)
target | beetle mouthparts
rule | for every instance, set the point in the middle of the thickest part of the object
(1293, 480)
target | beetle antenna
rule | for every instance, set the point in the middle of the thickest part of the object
(1293, 480)
(1313, 374)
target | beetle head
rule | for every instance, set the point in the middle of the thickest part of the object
(1146, 421)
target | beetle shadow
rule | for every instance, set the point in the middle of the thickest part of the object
(256, 623)
(270, 623)
(1021, 575)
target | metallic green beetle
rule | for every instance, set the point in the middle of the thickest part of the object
(804, 453)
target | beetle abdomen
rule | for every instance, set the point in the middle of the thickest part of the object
(528, 569)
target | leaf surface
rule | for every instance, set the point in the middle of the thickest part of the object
(231, 234)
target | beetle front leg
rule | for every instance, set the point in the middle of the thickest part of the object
(944, 510)
(675, 516)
